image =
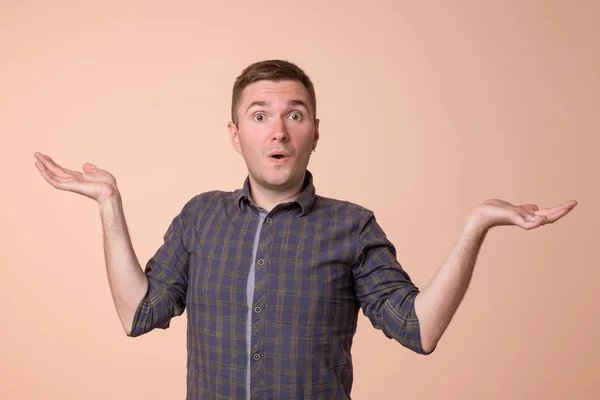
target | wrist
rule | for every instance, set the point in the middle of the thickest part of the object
(110, 201)
(477, 224)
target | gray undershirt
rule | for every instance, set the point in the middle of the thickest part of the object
(250, 299)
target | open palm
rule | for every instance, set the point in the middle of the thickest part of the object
(528, 216)
(92, 182)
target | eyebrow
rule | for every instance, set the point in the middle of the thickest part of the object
(262, 103)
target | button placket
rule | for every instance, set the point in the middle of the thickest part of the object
(258, 320)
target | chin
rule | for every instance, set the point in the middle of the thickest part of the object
(278, 181)
(279, 178)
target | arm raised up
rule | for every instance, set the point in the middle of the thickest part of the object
(437, 303)
(127, 281)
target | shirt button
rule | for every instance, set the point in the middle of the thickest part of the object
(257, 309)
(256, 357)
(268, 220)
(261, 261)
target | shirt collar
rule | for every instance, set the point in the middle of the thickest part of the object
(305, 199)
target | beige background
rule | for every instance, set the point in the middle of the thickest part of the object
(426, 110)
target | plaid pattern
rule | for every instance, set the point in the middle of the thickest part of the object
(318, 262)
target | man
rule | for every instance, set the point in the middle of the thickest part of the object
(273, 275)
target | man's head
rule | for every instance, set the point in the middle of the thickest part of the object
(274, 125)
(274, 71)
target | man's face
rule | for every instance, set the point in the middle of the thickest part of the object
(276, 133)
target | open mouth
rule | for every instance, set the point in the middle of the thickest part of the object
(278, 155)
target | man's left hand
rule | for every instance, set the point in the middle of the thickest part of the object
(496, 212)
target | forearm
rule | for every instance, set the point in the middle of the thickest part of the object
(436, 304)
(127, 281)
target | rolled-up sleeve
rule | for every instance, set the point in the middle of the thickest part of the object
(384, 290)
(167, 273)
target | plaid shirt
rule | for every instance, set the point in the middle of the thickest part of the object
(316, 261)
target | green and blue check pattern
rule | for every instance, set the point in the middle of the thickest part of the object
(318, 262)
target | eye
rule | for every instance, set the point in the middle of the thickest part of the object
(295, 116)
(259, 117)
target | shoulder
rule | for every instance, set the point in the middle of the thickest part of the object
(213, 200)
(339, 207)
(209, 197)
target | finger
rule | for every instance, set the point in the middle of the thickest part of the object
(558, 215)
(530, 207)
(64, 181)
(77, 173)
(89, 167)
(40, 166)
(64, 174)
(40, 157)
(528, 220)
(50, 165)
(49, 176)
(569, 205)
(43, 168)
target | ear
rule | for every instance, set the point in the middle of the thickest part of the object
(234, 137)
(316, 139)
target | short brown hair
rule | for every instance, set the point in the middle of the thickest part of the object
(271, 70)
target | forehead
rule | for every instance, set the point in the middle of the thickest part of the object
(274, 92)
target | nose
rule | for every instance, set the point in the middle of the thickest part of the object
(280, 132)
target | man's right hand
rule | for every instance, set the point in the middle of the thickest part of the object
(94, 183)
(127, 281)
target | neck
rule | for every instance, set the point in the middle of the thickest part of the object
(268, 198)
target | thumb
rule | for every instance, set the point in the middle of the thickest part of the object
(530, 207)
(89, 167)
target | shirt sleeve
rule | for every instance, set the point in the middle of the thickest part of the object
(384, 290)
(167, 273)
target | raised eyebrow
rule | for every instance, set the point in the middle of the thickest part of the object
(262, 103)
(298, 103)
(259, 103)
